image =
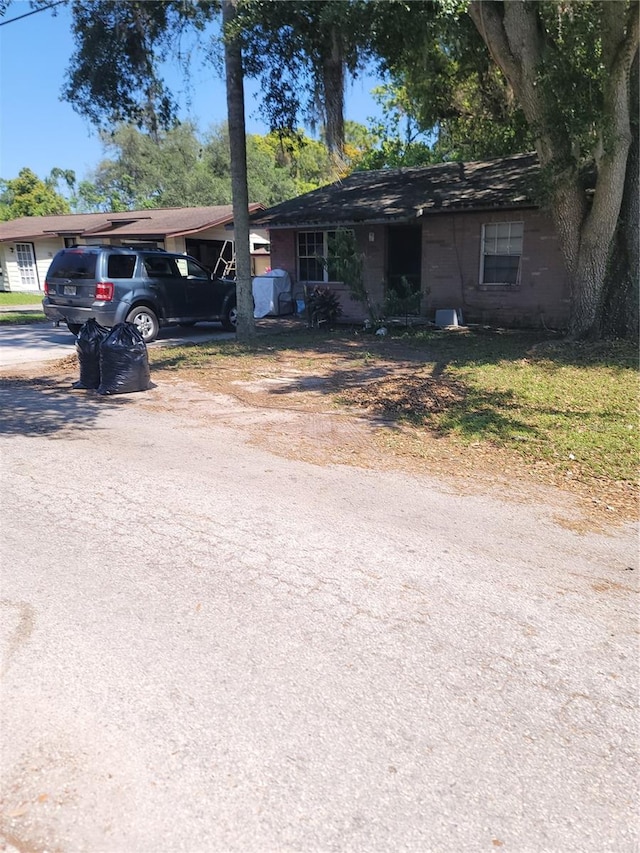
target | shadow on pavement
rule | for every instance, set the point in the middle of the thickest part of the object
(45, 407)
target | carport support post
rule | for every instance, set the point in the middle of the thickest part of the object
(237, 139)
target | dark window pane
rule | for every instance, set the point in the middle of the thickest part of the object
(158, 267)
(121, 266)
(73, 265)
(311, 270)
(501, 269)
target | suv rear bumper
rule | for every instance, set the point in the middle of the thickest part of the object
(107, 315)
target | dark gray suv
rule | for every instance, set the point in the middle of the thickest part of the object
(151, 288)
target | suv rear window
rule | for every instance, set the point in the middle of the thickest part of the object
(121, 266)
(73, 265)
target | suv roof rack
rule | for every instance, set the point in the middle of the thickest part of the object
(129, 248)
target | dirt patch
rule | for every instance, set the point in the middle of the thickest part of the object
(338, 407)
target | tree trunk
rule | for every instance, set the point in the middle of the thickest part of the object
(333, 85)
(621, 302)
(238, 144)
(515, 38)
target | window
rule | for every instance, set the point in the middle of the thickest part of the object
(158, 267)
(121, 266)
(313, 250)
(73, 264)
(501, 251)
(188, 268)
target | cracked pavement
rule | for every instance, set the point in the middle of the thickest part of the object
(211, 647)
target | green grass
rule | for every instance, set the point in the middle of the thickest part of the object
(21, 298)
(15, 318)
(571, 405)
(577, 415)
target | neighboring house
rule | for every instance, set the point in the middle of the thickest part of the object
(27, 245)
(466, 236)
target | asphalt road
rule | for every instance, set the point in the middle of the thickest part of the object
(42, 342)
(208, 647)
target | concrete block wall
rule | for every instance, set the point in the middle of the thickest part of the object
(451, 271)
(451, 246)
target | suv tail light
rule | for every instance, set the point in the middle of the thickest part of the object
(46, 287)
(104, 291)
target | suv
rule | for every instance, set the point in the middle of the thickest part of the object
(148, 287)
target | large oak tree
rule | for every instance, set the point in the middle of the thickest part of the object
(569, 65)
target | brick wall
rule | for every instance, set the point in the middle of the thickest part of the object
(451, 245)
(451, 271)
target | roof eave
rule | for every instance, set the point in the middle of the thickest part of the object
(350, 223)
(385, 220)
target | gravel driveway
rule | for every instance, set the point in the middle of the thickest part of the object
(210, 646)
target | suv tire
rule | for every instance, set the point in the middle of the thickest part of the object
(230, 318)
(74, 328)
(146, 321)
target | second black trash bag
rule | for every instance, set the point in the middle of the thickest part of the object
(90, 337)
(124, 361)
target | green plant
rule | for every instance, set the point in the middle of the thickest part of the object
(344, 263)
(324, 306)
(402, 301)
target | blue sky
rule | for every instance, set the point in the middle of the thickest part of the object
(40, 131)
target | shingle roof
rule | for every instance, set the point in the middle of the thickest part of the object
(404, 194)
(164, 222)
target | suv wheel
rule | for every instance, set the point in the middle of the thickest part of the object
(230, 318)
(74, 328)
(146, 322)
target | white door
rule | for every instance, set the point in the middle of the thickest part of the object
(27, 266)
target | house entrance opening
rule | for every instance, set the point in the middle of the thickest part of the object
(404, 261)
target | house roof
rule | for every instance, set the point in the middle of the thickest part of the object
(388, 195)
(160, 223)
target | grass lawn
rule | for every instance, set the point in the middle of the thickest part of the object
(568, 410)
(8, 317)
(12, 318)
(20, 299)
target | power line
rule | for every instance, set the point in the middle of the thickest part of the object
(33, 12)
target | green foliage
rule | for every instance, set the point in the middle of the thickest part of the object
(323, 306)
(115, 72)
(396, 140)
(301, 50)
(404, 301)
(573, 71)
(345, 263)
(27, 195)
(443, 84)
(178, 168)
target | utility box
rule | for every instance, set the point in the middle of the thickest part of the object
(447, 317)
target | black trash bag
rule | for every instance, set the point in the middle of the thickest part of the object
(90, 336)
(124, 361)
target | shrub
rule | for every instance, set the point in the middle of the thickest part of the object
(324, 306)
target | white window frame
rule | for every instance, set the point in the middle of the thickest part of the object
(326, 235)
(325, 252)
(504, 231)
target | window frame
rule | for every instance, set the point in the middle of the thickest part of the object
(510, 253)
(192, 270)
(327, 235)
